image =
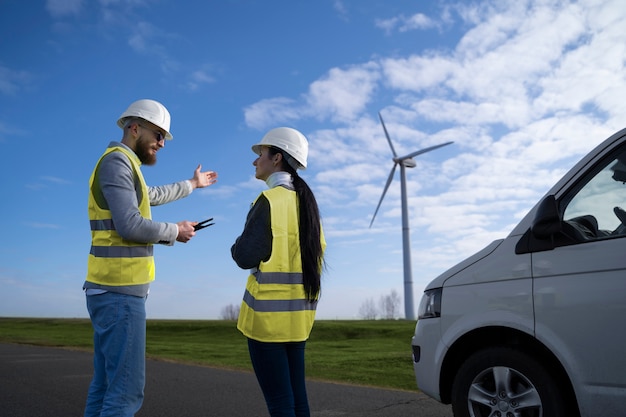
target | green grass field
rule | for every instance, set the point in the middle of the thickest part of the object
(375, 353)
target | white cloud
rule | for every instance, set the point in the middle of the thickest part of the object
(8, 131)
(273, 111)
(405, 24)
(62, 8)
(55, 180)
(340, 96)
(199, 77)
(343, 94)
(340, 8)
(417, 21)
(12, 81)
(416, 73)
(143, 38)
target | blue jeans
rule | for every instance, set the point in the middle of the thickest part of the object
(119, 360)
(279, 368)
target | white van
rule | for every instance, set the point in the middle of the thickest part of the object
(535, 324)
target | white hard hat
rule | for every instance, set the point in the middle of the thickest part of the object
(288, 140)
(149, 110)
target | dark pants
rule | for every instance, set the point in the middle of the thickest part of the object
(279, 368)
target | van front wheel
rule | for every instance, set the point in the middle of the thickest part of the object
(505, 382)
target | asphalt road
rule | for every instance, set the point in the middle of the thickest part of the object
(49, 382)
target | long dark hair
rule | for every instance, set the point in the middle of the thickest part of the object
(310, 230)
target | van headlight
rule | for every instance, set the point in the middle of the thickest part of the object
(430, 306)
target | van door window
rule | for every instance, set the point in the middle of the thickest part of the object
(597, 210)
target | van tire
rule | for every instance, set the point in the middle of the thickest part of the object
(474, 392)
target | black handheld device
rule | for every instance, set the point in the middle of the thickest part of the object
(203, 224)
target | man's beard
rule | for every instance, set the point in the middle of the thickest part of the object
(144, 152)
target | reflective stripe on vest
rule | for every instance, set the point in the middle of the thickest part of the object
(275, 307)
(121, 251)
(113, 260)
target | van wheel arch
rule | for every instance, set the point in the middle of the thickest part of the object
(495, 336)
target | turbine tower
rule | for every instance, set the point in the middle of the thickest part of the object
(404, 162)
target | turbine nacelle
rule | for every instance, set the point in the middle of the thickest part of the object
(408, 163)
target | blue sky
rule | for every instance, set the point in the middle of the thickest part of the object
(523, 88)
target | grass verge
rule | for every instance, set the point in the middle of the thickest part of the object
(375, 353)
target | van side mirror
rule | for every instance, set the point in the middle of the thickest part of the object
(546, 224)
(547, 221)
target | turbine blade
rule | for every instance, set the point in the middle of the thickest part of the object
(389, 179)
(387, 135)
(421, 151)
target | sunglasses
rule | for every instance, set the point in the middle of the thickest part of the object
(157, 133)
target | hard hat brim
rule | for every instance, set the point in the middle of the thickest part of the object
(122, 120)
(257, 150)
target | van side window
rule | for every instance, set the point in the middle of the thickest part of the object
(597, 210)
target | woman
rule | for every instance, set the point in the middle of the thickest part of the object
(283, 245)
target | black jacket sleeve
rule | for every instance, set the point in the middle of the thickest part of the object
(255, 243)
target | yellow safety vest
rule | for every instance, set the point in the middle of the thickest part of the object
(275, 307)
(113, 260)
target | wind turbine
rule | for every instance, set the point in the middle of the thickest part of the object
(404, 162)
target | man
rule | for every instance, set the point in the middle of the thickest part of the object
(121, 264)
